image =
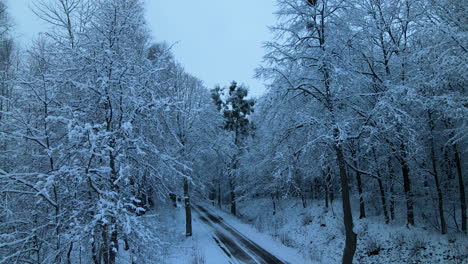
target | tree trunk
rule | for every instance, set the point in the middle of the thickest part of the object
(461, 188)
(188, 211)
(274, 203)
(304, 200)
(392, 195)
(351, 237)
(381, 189)
(362, 209)
(219, 192)
(392, 202)
(233, 177)
(114, 243)
(454, 215)
(70, 249)
(326, 195)
(383, 200)
(443, 225)
(332, 196)
(407, 186)
(233, 199)
(105, 246)
(95, 252)
(233, 203)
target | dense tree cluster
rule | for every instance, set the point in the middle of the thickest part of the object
(367, 97)
(96, 125)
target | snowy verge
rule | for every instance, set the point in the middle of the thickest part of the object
(318, 235)
(179, 249)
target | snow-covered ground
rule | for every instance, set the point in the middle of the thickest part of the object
(319, 235)
(176, 248)
(202, 247)
(295, 235)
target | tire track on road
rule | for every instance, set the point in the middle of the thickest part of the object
(259, 253)
(233, 250)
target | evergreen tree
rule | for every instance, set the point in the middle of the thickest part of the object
(236, 110)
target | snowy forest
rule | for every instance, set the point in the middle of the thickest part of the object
(112, 152)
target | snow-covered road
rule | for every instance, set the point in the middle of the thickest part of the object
(235, 245)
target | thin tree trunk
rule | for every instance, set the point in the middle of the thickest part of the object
(219, 192)
(326, 193)
(351, 237)
(383, 200)
(111, 250)
(304, 200)
(79, 255)
(274, 203)
(188, 210)
(407, 186)
(443, 225)
(392, 194)
(233, 203)
(332, 196)
(105, 246)
(233, 199)
(461, 188)
(95, 252)
(392, 203)
(454, 216)
(362, 209)
(381, 189)
(69, 253)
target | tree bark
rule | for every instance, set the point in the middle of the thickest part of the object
(188, 210)
(362, 209)
(233, 199)
(326, 193)
(274, 203)
(381, 189)
(105, 246)
(304, 200)
(443, 224)
(351, 237)
(95, 252)
(219, 192)
(461, 188)
(392, 195)
(384, 200)
(114, 245)
(407, 186)
(70, 249)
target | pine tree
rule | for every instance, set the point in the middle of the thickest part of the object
(236, 109)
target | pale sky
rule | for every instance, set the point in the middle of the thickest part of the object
(217, 40)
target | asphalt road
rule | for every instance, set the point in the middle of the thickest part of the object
(235, 245)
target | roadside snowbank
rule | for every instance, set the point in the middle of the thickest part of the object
(319, 235)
